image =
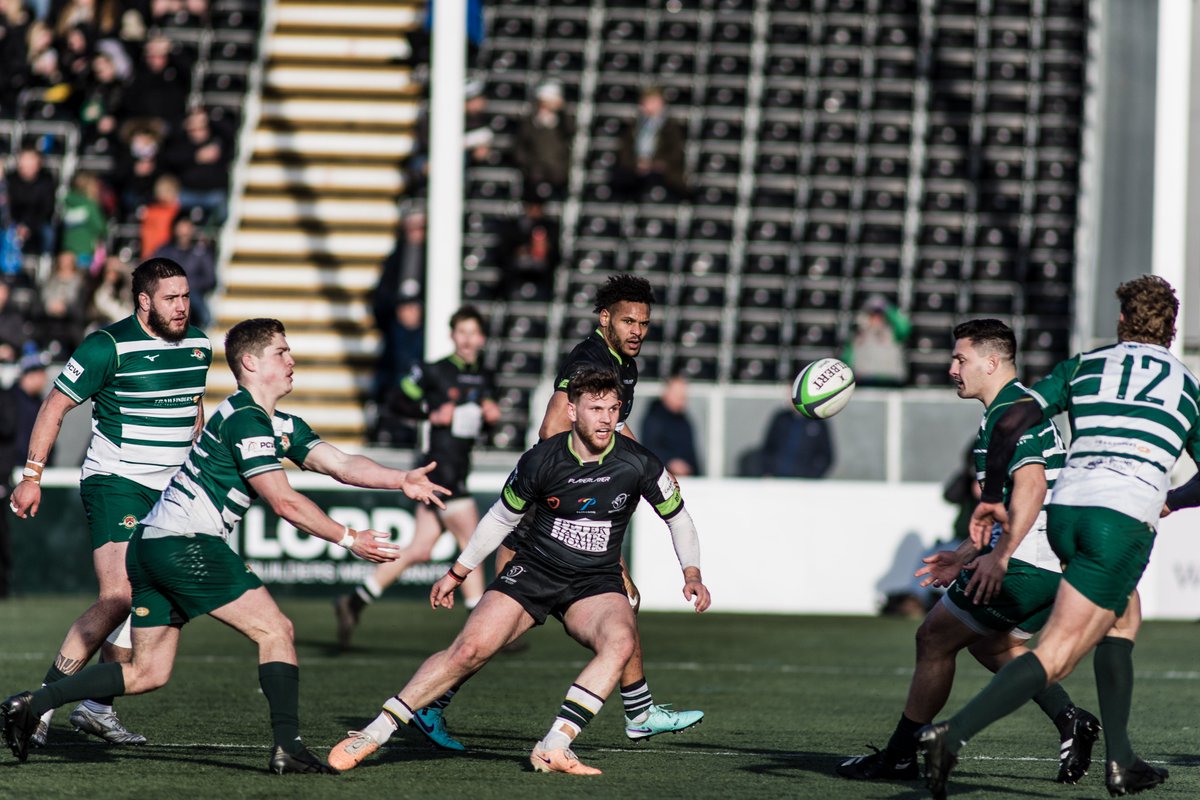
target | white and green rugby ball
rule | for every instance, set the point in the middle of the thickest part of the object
(823, 388)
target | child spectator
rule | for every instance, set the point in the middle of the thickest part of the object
(84, 227)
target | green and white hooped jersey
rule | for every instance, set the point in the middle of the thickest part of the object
(1133, 409)
(145, 395)
(1042, 445)
(211, 491)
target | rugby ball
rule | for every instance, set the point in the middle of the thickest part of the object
(823, 388)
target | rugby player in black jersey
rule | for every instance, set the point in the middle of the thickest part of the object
(579, 489)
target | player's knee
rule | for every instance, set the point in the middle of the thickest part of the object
(621, 644)
(468, 654)
(147, 675)
(926, 638)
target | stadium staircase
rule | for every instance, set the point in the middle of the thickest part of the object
(314, 211)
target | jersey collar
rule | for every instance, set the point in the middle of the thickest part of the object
(458, 362)
(611, 444)
(615, 354)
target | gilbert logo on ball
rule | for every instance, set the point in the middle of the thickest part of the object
(823, 388)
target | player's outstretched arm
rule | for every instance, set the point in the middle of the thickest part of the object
(27, 496)
(306, 515)
(358, 470)
(1028, 495)
(942, 567)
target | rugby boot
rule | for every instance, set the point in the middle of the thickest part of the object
(562, 760)
(19, 723)
(882, 765)
(350, 752)
(1137, 777)
(301, 763)
(104, 725)
(432, 723)
(938, 758)
(1075, 752)
(41, 735)
(661, 719)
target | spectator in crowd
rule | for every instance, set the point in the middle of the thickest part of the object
(477, 140)
(543, 146)
(650, 159)
(19, 406)
(794, 447)
(160, 88)
(137, 166)
(41, 58)
(529, 253)
(667, 430)
(194, 254)
(179, 13)
(31, 202)
(110, 296)
(98, 19)
(159, 215)
(75, 52)
(14, 53)
(103, 96)
(84, 226)
(399, 289)
(200, 157)
(63, 304)
(876, 353)
(14, 329)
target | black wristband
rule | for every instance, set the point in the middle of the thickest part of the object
(455, 575)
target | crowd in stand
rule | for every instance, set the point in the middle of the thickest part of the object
(110, 69)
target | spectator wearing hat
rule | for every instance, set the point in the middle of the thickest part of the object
(543, 146)
(877, 352)
(195, 255)
(397, 307)
(650, 159)
(19, 406)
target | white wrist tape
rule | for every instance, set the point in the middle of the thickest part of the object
(348, 539)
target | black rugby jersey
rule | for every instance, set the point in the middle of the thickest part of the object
(580, 511)
(595, 352)
(455, 381)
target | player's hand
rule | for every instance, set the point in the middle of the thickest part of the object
(695, 590)
(983, 519)
(417, 486)
(26, 498)
(941, 569)
(631, 589)
(376, 546)
(1166, 510)
(442, 593)
(442, 415)
(491, 411)
(988, 573)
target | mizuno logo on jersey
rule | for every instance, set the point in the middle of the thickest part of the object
(151, 358)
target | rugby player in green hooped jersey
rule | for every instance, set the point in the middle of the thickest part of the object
(996, 599)
(1134, 409)
(181, 566)
(144, 375)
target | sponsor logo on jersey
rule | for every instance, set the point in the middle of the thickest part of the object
(553, 502)
(130, 521)
(513, 573)
(600, 479)
(586, 503)
(584, 535)
(285, 443)
(256, 446)
(197, 353)
(142, 611)
(73, 370)
(619, 502)
(151, 358)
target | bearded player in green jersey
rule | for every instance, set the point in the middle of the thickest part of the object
(181, 566)
(1134, 409)
(144, 375)
(997, 598)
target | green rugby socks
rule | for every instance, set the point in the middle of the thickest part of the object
(1013, 686)
(99, 680)
(280, 683)
(1113, 664)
